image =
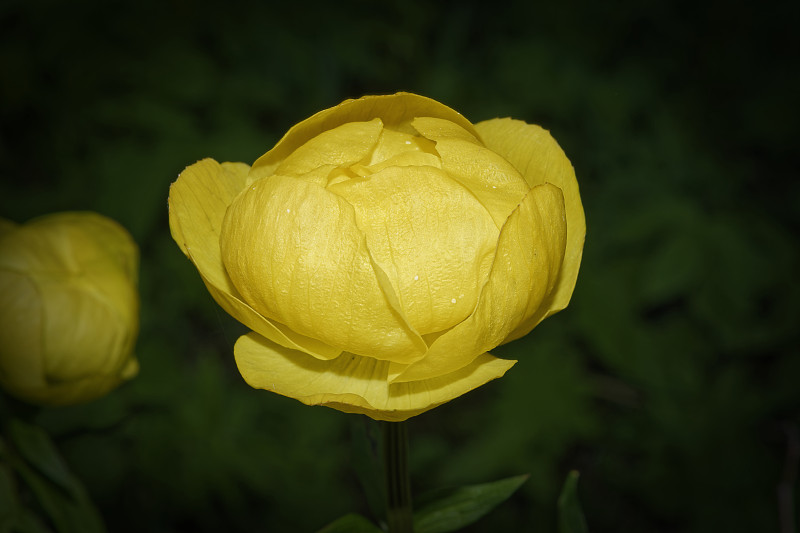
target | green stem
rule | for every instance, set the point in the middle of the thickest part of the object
(398, 485)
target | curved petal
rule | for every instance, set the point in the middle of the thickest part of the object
(74, 307)
(197, 204)
(345, 145)
(295, 253)
(106, 235)
(539, 158)
(437, 128)
(495, 182)
(394, 110)
(21, 361)
(72, 241)
(529, 254)
(430, 235)
(355, 384)
(402, 147)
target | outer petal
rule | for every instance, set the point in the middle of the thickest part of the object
(394, 110)
(529, 254)
(430, 235)
(197, 204)
(73, 240)
(21, 346)
(342, 146)
(295, 253)
(539, 158)
(492, 179)
(355, 384)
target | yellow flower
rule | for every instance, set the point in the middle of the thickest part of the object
(69, 308)
(381, 248)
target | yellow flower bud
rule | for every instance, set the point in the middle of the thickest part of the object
(382, 248)
(69, 307)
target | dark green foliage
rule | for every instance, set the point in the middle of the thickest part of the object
(570, 516)
(351, 523)
(37, 488)
(671, 380)
(452, 510)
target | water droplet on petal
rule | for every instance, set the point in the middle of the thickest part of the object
(453, 301)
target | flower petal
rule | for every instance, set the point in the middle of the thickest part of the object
(21, 361)
(197, 204)
(431, 236)
(539, 158)
(437, 128)
(345, 145)
(355, 384)
(394, 110)
(401, 146)
(529, 253)
(294, 252)
(493, 180)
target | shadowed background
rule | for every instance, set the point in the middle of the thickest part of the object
(671, 380)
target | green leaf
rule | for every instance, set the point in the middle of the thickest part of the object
(570, 516)
(351, 523)
(41, 471)
(33, 444)
(456, 508)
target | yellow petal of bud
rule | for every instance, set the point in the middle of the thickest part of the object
(69, 308)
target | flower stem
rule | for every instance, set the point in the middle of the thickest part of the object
(398, 485)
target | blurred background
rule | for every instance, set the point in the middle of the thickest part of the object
(671, 380)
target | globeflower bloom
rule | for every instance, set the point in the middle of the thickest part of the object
(381, 248)
(69, 307)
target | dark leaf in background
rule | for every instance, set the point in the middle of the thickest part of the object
(32, 458)
(454, 509)
(570, 515)
(351, 523)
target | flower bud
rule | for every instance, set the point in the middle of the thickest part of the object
(382, 248)
(69, 307)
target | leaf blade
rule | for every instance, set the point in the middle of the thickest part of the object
(462, 506)
(570, 515)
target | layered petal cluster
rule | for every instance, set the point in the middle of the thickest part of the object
(69, 307)
(382, 248)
